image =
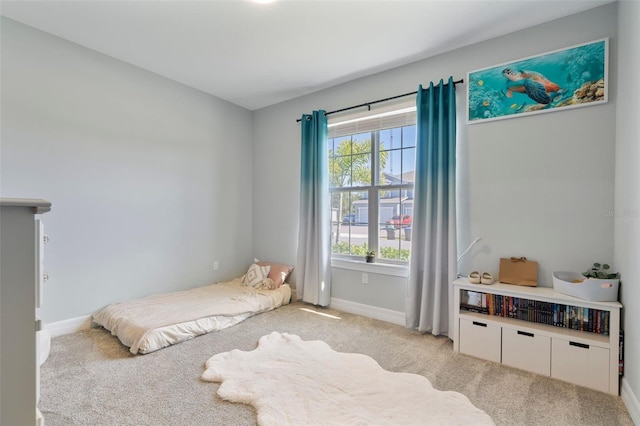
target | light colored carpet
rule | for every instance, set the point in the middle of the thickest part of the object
(92, 379)
(292, 381)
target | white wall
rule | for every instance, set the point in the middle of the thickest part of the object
(627, 194)
(150, 180)
(538, 186)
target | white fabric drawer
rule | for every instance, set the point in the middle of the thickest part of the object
(480, 339)
(585, 365)
(526, 350)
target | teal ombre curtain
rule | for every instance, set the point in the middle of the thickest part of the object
(313, 267)
(433, 245)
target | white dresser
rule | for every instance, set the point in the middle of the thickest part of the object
(20, 285)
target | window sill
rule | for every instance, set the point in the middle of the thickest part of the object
(374, 268)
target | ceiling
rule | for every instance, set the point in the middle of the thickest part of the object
(256, 55)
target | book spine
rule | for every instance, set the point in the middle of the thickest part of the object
(621, 354)
(548, 312)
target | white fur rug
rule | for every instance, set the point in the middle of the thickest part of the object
(294, 382)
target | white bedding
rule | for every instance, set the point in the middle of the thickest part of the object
(154, 322)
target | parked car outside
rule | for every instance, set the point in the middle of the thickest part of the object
(398, 221)
(350, 218)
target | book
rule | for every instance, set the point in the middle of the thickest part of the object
(621, 353)
(537, 311)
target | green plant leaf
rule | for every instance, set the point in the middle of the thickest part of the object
(605, 266)
(596, 266)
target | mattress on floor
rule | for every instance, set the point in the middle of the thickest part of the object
(154, 322)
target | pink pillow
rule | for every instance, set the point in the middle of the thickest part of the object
(278, 272)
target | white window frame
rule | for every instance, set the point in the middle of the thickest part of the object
(362, 122)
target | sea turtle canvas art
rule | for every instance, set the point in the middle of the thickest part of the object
(565, 78)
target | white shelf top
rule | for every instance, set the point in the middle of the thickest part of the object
(541, 293)
(39, 206)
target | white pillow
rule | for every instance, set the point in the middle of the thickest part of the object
(255, 275)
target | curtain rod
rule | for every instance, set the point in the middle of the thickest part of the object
(368, 104)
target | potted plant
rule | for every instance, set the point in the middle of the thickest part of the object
(370, 256)
(601, 272)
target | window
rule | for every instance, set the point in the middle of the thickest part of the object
(371, 174)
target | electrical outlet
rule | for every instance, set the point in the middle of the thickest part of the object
(365, 278)
(216, 265)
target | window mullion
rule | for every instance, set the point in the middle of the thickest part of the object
(373, 192)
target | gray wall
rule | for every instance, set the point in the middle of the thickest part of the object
(627, 194)
(150, 180)
(535, 186)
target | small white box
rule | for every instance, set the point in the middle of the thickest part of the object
(577, 285)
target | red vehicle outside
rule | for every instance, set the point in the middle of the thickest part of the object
(400, 221)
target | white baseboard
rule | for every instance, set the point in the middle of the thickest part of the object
(69, 326)
(630, 401)
(368, 311)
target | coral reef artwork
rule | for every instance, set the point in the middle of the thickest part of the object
(571, 77)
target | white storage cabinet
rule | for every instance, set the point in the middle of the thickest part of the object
(581, 357)
(20, 288)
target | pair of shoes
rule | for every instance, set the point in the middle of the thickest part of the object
(485, 278)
